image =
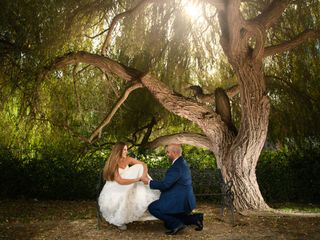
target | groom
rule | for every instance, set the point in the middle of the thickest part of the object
(177, 199)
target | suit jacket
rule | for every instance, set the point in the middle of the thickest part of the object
(176, 189)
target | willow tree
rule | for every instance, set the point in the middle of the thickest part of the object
(245, 33)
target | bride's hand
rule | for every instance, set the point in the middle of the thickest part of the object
(145, 180)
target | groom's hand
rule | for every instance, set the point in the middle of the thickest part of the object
(145, 180)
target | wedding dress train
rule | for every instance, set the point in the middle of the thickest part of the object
(122, 204)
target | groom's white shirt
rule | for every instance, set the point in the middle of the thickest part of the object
(174, 160)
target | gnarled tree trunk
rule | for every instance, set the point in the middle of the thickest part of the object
(242, 157)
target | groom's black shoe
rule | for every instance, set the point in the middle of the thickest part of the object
(175, 230)
(199, 222)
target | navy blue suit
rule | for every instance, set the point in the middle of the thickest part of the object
(177, 199)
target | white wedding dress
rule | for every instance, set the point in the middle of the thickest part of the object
(122, 204)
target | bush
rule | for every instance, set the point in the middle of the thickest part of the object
(197, 158)
(54, 177)
(282, 176)
(290, 176)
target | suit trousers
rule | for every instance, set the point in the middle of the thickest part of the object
(172, 220)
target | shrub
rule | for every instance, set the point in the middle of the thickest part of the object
(290, 176)
(283, 176)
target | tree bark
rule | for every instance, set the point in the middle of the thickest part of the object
(242, 158)
(193, 139)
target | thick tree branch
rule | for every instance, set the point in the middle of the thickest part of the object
(288, 45)
(193, 139)
(105, 64)
(236, 33)
(187, 108)
(178, 104)
(209, 97)
(108, 118)
(272, 13)
(256, 28)
(234, 25)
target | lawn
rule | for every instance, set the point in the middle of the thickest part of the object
(32, 219)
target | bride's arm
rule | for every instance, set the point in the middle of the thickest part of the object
(123, 181)
(133, 161)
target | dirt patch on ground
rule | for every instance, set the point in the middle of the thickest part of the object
(76, 220)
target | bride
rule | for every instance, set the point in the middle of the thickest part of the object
(124, 198)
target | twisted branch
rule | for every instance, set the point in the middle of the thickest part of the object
(209, 97)
(288, 45)
(194, 139)
(105, 64)
(272, 13)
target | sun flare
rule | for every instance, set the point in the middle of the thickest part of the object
(193, 9)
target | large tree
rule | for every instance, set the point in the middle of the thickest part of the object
(248, 37)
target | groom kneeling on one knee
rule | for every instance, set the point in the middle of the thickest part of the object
(177, 199)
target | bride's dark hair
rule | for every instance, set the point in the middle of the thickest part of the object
(111, 164)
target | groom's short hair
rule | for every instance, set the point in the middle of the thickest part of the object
(175, 148)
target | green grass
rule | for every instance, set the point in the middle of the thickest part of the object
(297, 207)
